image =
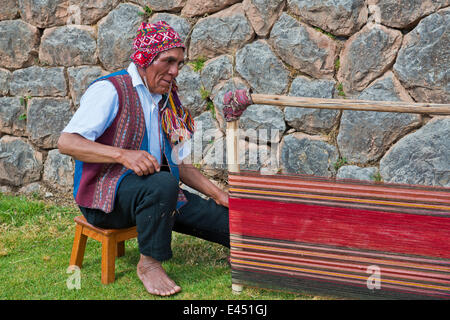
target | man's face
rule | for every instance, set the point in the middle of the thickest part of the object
(164, 69)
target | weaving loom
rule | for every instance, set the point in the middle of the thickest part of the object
(325, 236)
(345, 238)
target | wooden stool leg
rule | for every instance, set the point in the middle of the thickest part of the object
(79, 245)
(109, 250)
(120, 249)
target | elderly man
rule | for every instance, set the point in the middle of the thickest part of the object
(126, 138)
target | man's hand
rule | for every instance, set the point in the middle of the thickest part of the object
(193, 178)
(221, 198)
(140, 161)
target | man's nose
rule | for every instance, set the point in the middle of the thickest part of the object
(173, 70)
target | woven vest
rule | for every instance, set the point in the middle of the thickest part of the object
(95, 184)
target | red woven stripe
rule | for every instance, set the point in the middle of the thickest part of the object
(345, 227)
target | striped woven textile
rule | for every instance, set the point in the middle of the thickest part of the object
(341, 238)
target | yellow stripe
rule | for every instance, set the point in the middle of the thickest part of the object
(172, 104)
(312, 196)
(339, 274)
(336, 256)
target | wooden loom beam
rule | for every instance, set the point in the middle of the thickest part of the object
(356, 105)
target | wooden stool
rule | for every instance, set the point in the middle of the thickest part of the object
(113, 244)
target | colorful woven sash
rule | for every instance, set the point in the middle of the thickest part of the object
(176, 120)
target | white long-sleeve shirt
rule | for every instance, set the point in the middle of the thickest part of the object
(99, 106)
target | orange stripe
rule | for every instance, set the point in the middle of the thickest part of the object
(335, 256)
(328, 183)
(345, 266)
(339, 190)
(405, 283)
(311, 196)
(340, 251)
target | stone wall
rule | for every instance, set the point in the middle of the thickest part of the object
(50, 50)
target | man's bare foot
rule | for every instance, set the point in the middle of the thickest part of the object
(154, 277)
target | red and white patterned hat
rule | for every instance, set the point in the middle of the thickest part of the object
(153, 39)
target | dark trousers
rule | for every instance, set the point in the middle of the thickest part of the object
(149, 203)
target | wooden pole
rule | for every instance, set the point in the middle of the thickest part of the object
(232, 146)
(357, 105)
(233, 166)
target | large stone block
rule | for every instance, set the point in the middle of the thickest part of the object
(262, 14)
(357, 173)
(162, 5)
(214, 162)
(51, 13)
(46, 118)
(179, 24)
(12, 119)
(403, 13)
(189, 85)
(45, 13)
(200, 7)
(367, 55)
(257, 64)
(80, 78)
(421, 157)
(339, 17)
(206, 132)
(115, 36)
(58, 170)
(303, 47)
(258, 157)
(386, 88)
(215, 70)
(309, 120)
(304, 154)
(37, 81)
(252, 156)
(423, 61)
(263, 122)
(20, 164)
(88, 12)
(364, 136)
(223, 32)
(68, 46)
(9, 9)
(18, 43)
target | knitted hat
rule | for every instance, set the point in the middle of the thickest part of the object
(152, 39)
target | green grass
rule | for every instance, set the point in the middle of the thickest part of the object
(147, 12)
(198, 64)
(35, 245)
(340, 162)
(340, 89)
(332, 36)
(205, 94)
